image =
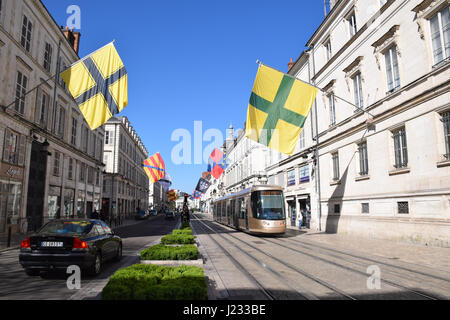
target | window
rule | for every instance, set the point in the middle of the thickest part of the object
(440, 35)
(337, 208)
(27, 28)
(304, 174)
(97, 178)
(365, 208)
(61, 121)
(61, 80)
(301, 140)
(85, 139)
(357, 85)
(328, 50)
(393, 75)
(403, 207)
(363, 159)
(107, 137)
(332, 109)
(82, 172)
(44, 107)
(335, 160)
(73, 139)
(90, 175)
(70, 173)
(446, 122)
(11, 148)
(291, 177)
(21, 89)
(352, 24)
(48, 56)
(400, 148)
(56, 163)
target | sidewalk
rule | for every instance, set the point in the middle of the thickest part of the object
(432, 257)
(16, 239)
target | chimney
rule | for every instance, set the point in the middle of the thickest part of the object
(73, 38)
(290, 65)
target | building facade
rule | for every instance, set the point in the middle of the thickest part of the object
(51, 163)
(158, 197)
(382, 129)
(125, 183)
(373, 158)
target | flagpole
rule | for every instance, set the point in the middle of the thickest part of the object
(58, 68)
(312, 85)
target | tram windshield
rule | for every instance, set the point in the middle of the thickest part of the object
(268, 205)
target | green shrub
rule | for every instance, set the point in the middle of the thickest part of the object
(185, 225)
(177, 239)
(162, 252)
(182, 231)
(151, 282)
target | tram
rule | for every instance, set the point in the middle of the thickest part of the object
(256, 210)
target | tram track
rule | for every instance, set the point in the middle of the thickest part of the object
(378, 262)
(242, 269)
(391, 283)
(273, 272)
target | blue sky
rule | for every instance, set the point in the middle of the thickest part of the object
(192, 60)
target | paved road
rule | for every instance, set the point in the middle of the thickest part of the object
(296, 266)
(15, 284)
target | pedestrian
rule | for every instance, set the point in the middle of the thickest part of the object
(300, 220)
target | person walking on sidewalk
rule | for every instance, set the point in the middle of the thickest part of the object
(300, 220)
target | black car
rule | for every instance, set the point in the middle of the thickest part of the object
(62, 243)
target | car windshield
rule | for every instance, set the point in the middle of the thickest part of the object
(268, 205)
(67, 227)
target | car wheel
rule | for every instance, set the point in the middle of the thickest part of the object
(32, 272)
(96, 267)
(119, 253)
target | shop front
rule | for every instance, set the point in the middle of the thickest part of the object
(11, 182)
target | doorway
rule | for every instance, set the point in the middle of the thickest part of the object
(292, 211)
(305, 209)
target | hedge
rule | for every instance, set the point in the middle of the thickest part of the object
(185, 225)
(177, 239)
(162, 252)
(151, 282)
(182, 231)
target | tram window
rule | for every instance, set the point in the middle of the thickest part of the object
(242, 208)
(224, 208)
(232, 209)
(268, 205)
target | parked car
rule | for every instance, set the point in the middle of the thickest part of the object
(170, 215)
(153, 212)
(141, 215)
(62, 243)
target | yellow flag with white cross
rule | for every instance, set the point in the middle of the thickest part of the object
(278, 108)
(99, 85)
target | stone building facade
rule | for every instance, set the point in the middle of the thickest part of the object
(374, 156)
(125, 183)
(51, 162)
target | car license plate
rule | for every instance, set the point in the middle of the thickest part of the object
(52, 244)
